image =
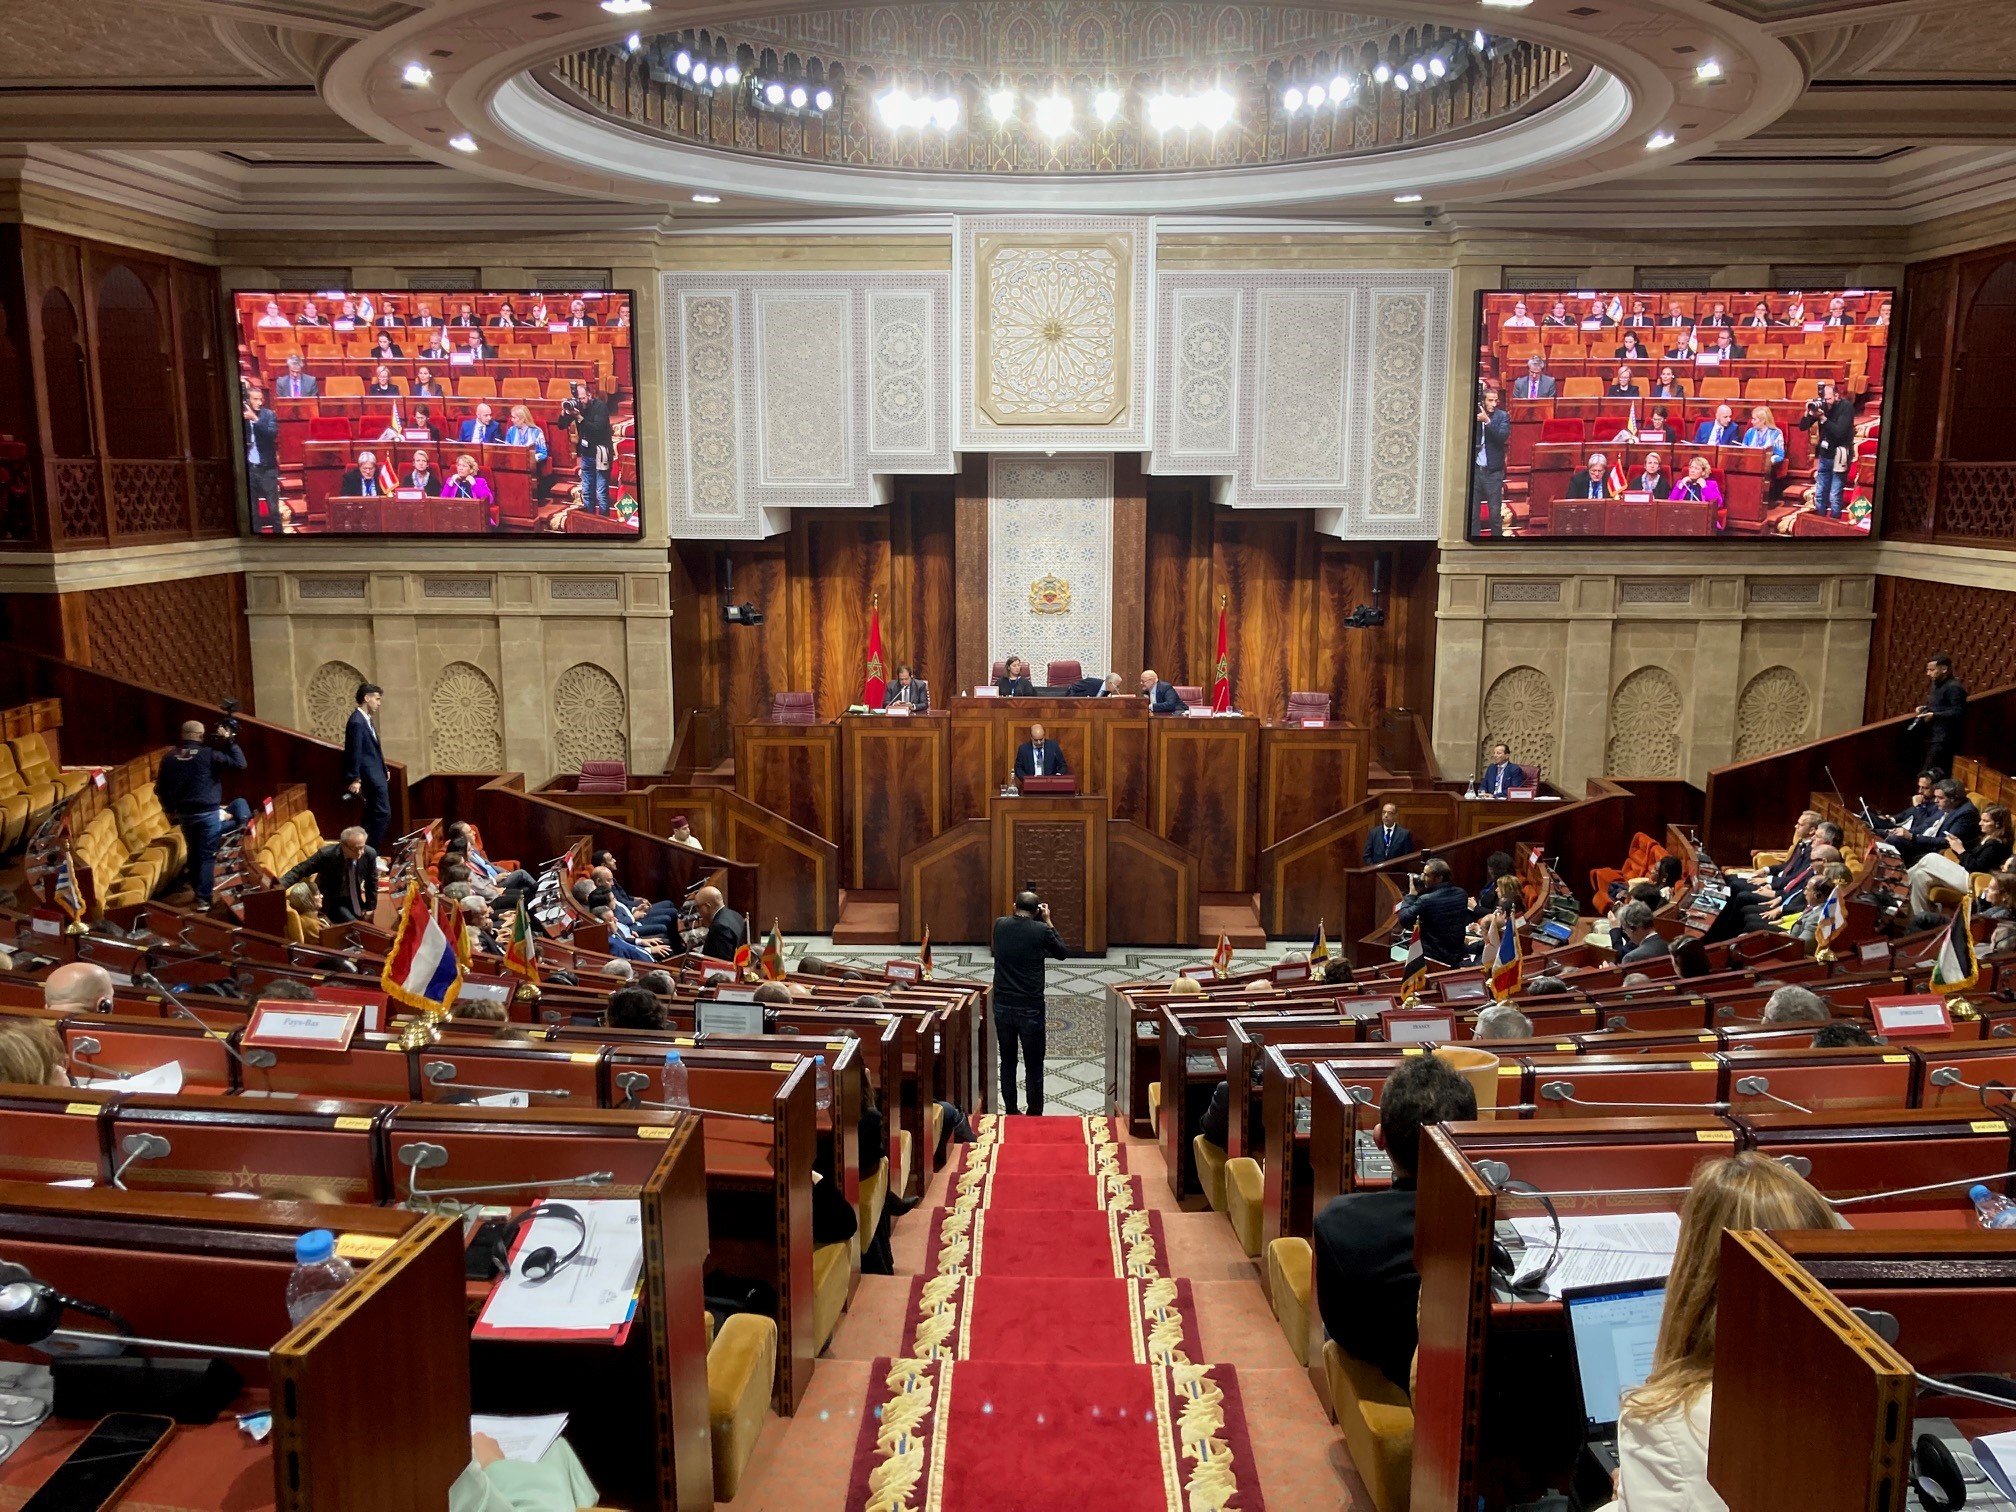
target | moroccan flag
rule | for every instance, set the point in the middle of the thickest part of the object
(1505, 963)
(422, 969)
(1221, 958)
(1320, 951)
(773, 955)
(1956, 968)
(742, 962)
(1414, 975)
(876, 689)
(1221, 686)
(924, 953)
(521, 955)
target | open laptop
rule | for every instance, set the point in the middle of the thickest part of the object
(1612, 1330)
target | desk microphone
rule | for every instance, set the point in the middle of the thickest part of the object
(262, 1059)
(1949, 1076)
(82, 1049)
(1564, 1092)
(138, 1147)
(31, 1312)
(1760, 1086)
(439, 1073)
(423, 1156)
(1913, 1191)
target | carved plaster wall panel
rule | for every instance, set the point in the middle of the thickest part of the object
(793, 390)
(1332, 391)
(1053, 332)
(1050, 518)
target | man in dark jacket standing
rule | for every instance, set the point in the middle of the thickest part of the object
(192, 794)
(1945, 707)
(1443, 911)
(1022, 941)
(364, 773)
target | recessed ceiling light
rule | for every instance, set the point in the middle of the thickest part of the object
(1001, 104)
(1708, 72)
(462, 142)
(706, 199)
(1053, 115)
(1658, 140)
(1106, 104)
(1508, 4)
(634, 42)
(417, 74)
(626, 7)
(1406, 199)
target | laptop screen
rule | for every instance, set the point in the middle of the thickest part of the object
(1614, 1330)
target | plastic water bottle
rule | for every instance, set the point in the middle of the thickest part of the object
(319, 1273)
(823, 1082)
(1994, 1212)
(676, 1093)
(1470, 790)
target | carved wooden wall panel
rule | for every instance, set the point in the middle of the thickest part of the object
(183, 635)
(1916, 618)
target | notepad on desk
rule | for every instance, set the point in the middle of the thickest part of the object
(524, 1439)
(1597, 1250)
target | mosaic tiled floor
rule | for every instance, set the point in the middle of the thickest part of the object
(1074, 1071)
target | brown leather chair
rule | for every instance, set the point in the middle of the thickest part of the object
(1194, 697)
(794, 707)
(602, 777)
(1303, 706)
(1061, 674)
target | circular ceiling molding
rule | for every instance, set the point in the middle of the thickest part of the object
(1611, 77)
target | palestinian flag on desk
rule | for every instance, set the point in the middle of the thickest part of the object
(422, 969)
(1955, 967)
(772, 967)
(1221, 673)
(1505, 962)
(521, 953)
(1414, 975)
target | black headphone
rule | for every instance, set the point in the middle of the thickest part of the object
(1936, 1474)
(492, 1246)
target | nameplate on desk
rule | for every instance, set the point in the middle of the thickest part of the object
(1523, 793)
(289, 1026)
(1417, 1026)
(903, 971)
(1198, 713)
(897, 711)
(46, 921)
(986, 692)
(712, 970)
(1914, 1017)
(558, 328)
(735, 994)
(1315, 724)
(375, 1000)
(461, 359)
(1873, 950)
(1289, 971)
(1200, 973)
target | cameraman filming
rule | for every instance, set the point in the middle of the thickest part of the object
(587, 415)
(1444, 911)
(1833, 417)
(191, 793)
(1022, 941)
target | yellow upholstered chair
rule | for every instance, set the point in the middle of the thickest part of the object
(901, 1161)
(1378, 1423)
(1210, 1171)
(868, 1210)
(832, 1279)
(1245, 1191)
(39, 797)
(741, 1365)
(31, 756)
(1155, 1107)
(1289, 1261)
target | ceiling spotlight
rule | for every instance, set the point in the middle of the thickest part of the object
(1053, 115)
(1437, 67)
(462, 142)
(1400, 82)
(1660, 139)
(418, 75)
(1508, 4)
(1292, 100)
(1406, 199)
(1106, 105)
(1708, 72)
(706, 199)
(1420, 71)
(1477, 39)
(945, 113)
(773, 93)
(733, 73)
(823, 100)
(1340, 90)
(1381, 73)
(626, 7)
(683, 63)
(634, 42)
(1315, 97)
(1001, 104)
(798, 97)
(716, 76)
(1214, 109)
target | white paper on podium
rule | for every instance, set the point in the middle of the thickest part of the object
(1597, 1250)
(525, 1439)
(163, 1079)
(593, 1292)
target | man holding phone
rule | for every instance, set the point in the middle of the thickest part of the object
(1023, 940)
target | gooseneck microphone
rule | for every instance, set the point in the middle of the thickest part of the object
(257, 1058)
(423, 1156)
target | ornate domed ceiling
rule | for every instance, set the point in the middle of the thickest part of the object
(1036, 88)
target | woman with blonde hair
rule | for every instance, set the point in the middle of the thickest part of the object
(1662, 1432)
(31, 1055)
(304, 899)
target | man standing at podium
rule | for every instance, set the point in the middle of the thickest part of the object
(1036, 757)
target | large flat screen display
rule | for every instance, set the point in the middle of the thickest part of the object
(410, 412)
(1728, 414)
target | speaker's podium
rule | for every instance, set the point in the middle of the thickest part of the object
(1052, 840)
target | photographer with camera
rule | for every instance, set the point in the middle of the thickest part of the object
(1023, 940)
(587, 415)
(1832, 416)
(191, 792)
(1444, 912)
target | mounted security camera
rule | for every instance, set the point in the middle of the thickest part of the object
(741, 614)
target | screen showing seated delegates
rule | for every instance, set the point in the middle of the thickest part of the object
(410, 412)
(1749, 414)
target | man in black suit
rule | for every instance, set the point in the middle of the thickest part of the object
(1945, 707)
(726, 930)
(1366, 1284)
(262, 459)
(1095, 687)
(1162, 697)
(1494, 430)
(1957, 816)
(296, 383)
(1023, 941)
(1639, 315)
(908, 690)
(1037, 757)
(1443, 912)
(1718, 316)
(1639, 940)
(346, 873)
(1502, 775)
(364, 765)
(1722, 349)
(1388, 838)
(1592, 482)
(361, 481)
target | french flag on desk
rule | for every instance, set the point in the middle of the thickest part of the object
(423, 968)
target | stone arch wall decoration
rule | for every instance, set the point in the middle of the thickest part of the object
(590, 718)
(1645, 714)
(1520, 709)
(330, 696)
(465, 721)
(1772, 713)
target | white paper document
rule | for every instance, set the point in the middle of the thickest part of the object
(1996, 1454)
(593, 1292)
(505, 1100)
(1599, 1249)
(163, 1079)
(525, 1439)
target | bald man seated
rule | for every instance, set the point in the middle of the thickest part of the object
(78, 987)
(726, 931)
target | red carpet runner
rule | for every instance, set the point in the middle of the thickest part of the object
(1049, 1361)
